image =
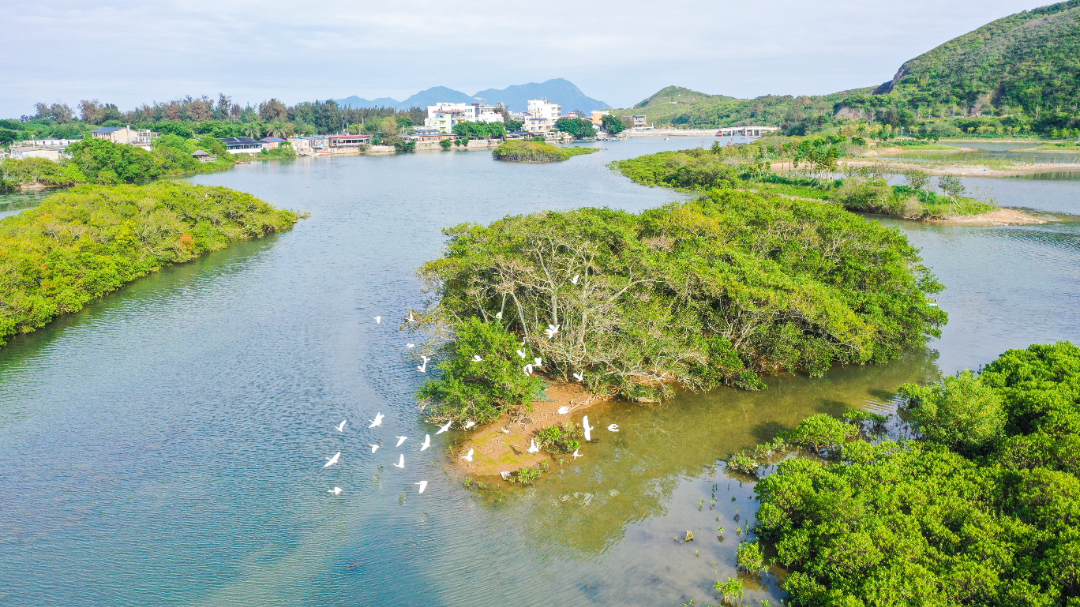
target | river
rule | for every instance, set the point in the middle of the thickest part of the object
(166, 445)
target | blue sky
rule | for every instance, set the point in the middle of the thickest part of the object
(129, 52)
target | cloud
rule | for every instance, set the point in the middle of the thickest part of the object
(130, 52)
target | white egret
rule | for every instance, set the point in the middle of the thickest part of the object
(579, 376)
(341, 427)
(498, 315)
(476, 358)
(576, 454)
(532, 446)
(377, 421)
(427, 442)
(468, 456)
(330, 461)
(423, 368)
(445, 428)
(563, 410)
(539, 362)
(505, 474)
(378, 320)
(401, 461)
(527, 369)
(374, 447)
(423, 485)
(551, 330)
(587, 427)
(469, 424)
(505, 430)
(575, 278)
(400, 440)
(335, 490)
(613, 427)
(410, 318)
(410, 346)
(521, 353)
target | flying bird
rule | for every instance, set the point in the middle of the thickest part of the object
(532, 447)
(400, 440)
(401, 461)
(423, 485)
(521, 353)
(335, 490)
(341, 427)
(576, 454)
(378, 320)
(410, 346)
(613, 428)
(330, 461)
(445, 428)
(410, 318)
(539, 362)
(377, 421)
(551, 330)
(563, 410)
(588, 428)
(427, 442)
(579, 376)
(468, 456)
(374, 447)
(575, 278)
(469, 424)
(423, 368)
(528, 369)
(476, 358)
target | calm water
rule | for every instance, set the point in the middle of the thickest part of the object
(165, 446)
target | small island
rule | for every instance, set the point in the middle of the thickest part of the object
(91, 240)
(536, 151)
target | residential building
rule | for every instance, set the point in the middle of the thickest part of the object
(541, 116)
(640, 121)
(271, 143)
(202, 156)
(125, 135)
(598, 117)
(426, 136)
(52, 153)
(443, 116)
(346, 141)
(242, 145)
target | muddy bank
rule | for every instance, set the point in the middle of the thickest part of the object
(502, 446)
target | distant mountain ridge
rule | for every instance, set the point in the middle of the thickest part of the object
(514, 97)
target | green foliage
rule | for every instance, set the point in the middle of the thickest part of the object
(919, 523)
(743, 464)
(820, 431)
(285, 151)
(612, 124)
(694, 169)
(513, 126)
(446, 144)
(83, 243)
(480, 130)
(960, 412)
(478, 390)
(580, 128)
(705, 292)
(532, 151)
(730, 590)
(749, 557)
(561, 438)
(527, 476)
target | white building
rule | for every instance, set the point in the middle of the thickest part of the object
(541, 116)
(125, 135)
(443, 116)
(53, 149)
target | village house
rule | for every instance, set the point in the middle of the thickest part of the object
(598, 117)
(53, 149)
(541, 116)
(347, 142)
(271, 143)
(640, 121)
(241, 145)
(443, 116)
(202, 156)
(125, 135)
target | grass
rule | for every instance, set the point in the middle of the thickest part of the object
(535, 151)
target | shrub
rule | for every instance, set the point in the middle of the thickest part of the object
(560, 438)
(820, 431)
(959, 412)
(749, 557)
(478, 390)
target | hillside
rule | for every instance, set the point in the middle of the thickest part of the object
(515, 97)
(1028, 60)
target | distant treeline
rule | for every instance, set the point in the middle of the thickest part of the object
(191, 116)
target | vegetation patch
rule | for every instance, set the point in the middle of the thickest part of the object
(713, 291)
(560, 438)
(536, 151)
(982, 510)
(83, 243)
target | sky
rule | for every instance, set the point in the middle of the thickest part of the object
(130, 52)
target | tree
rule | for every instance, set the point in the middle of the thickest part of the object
(513, 126)
(273, 110)
(578, 127)
(959, 412)
(612, 124)
(951, 186)
(917, 180)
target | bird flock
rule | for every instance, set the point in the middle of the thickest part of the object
(528, 369)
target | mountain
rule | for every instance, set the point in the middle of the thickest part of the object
(1028, 60)
(559, 90)
(514, 97)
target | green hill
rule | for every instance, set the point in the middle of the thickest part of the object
(1029, 61)
(1019, 74)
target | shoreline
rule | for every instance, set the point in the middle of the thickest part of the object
(970, 170)
(496, 451)
(1001, 217)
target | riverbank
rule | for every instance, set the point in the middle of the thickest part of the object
(958, 169)
(672, 133)
(502, 446)
(1000, 217)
